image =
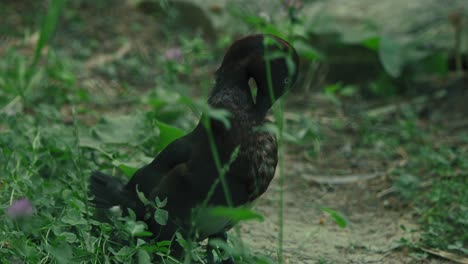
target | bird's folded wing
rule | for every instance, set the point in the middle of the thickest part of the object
(150, 175)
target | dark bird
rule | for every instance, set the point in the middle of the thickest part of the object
(185, 172)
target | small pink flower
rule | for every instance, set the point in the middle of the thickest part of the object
(20, 208)
(173, 54)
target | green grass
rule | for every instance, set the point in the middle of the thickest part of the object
(48, 152)
(433, 180)
(48, 161)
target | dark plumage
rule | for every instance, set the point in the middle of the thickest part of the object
(185, 170)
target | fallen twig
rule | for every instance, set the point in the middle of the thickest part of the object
(446, 255)
(392, 189)
(390, 109)
(107, 58)
(343, 179)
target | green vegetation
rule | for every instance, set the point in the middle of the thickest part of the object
(54, 131)
(432, 180)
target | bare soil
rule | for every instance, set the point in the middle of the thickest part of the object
(358, 186)
(310, 236)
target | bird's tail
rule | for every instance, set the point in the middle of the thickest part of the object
(107, 191)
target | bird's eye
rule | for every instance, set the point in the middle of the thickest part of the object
(286, 81)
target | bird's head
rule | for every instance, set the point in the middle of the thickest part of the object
(269, 60)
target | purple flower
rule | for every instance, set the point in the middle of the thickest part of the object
(173, 54)
(20, 208)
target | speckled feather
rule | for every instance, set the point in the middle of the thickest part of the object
(263, 152)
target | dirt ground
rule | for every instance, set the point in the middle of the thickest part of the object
(361, 192)
(311, 236)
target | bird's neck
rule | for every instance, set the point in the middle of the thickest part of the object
(233, 95)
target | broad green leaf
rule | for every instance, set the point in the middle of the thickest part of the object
(137, 229)
(69, 237)
(125, 129)
(142, 197)
(337, 217)
(131, 166)
(161, 216)
(167, 134)
(372, 43)
(78, 204)
(131, 214)
(390, 54)
(220, 115)
(159, 203)
(332, 88)
(143, 257)
(73, 218)
(126, 169)
(307, 51)
(87, 141)
(180, 239)
(164, 243)
(62, 253)
(124, 253)
(161, 97)
(203, 107)
(222, 245)
(140, 242)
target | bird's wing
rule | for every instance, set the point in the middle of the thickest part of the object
(185, 190)
(106, 190)
(150, 175)
(175, 186)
